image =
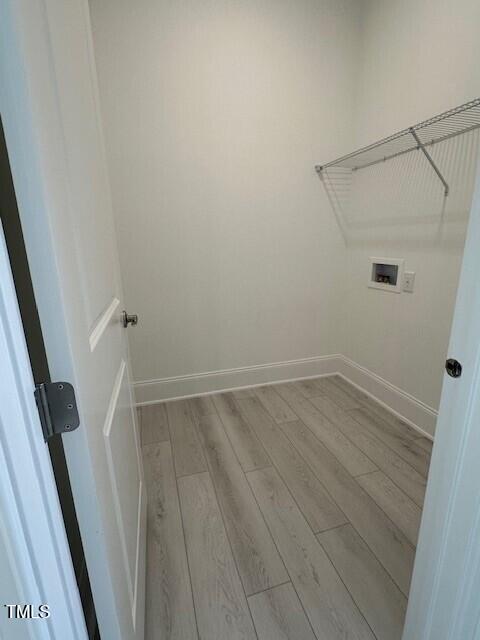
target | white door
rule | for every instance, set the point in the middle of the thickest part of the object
(35, 564)
(444, 602)
(49, 107)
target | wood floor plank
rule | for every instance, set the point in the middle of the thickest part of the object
(383, 537)
(201, 406)
(187, 451)
(426, 444)
(221, 607)
(417, 456)
(354, 460)
(406, 477)
(327, 386)
(169, 612)
(228, 541)
(394, 423)
(371, 404)
(246, 445)
(314, 502)
(395, 438)
(307, 387)
(258, 561)
(359, 395)
(274, 404)
(329, 607)
(247, 392)
(398, 507)
(153, 423)
(278, 615)
(378, 598)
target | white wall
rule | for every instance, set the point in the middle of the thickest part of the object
(420, 57)
(215, 114)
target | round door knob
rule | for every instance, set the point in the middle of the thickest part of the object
(129, 318)
(453, 368)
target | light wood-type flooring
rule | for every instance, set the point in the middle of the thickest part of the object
(288, 511)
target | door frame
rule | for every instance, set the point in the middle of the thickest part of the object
(13, 235)
(31, 523)
(35, 117)
(443, 601)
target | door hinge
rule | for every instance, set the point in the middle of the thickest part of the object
(57, 407)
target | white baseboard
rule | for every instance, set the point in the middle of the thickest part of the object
(413, 411)
(150, 391)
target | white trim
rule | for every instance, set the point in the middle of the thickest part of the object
(151, 391)
(31, 523)
(243, 388)
(41, 133)
(411, 410)
(102, 323)
(107, 428)
(133, 581)
(140, 558)
(443, 602)
(117, 385)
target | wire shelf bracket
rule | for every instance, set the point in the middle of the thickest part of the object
(421, 146)
(419, 137)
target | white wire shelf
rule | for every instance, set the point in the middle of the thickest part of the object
(420, 136)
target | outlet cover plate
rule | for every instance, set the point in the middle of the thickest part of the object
(408, 281)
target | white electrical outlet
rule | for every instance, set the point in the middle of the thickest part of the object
(408, 281)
